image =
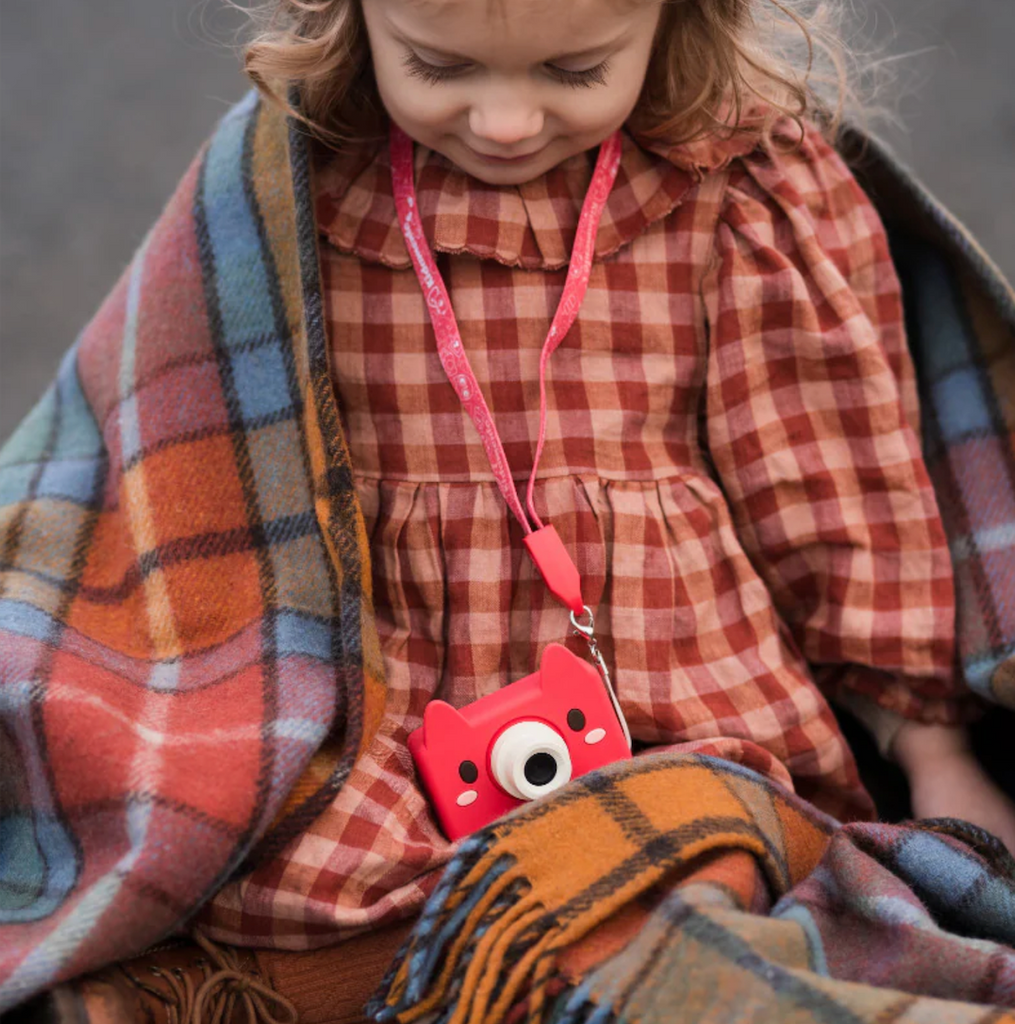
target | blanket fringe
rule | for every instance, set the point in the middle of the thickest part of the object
(481, 939)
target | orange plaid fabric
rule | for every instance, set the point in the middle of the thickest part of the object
(731, 458)
(708, 894)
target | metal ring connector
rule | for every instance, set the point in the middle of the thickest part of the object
(581, 629)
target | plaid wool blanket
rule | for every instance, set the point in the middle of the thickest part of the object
(703, 892)
(188, 655)
(188, 658)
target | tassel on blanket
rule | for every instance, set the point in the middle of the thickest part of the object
(520, 892)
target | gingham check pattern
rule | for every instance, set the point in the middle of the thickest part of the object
(752, 325)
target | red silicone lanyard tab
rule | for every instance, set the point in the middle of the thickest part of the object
(556, 567)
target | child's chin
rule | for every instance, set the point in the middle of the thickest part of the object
(507, 176)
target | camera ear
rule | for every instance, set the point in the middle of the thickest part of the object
(557, 661)
(441, 722)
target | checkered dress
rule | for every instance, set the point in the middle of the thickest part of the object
(730, 457)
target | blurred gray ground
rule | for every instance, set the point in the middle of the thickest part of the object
(103, 104)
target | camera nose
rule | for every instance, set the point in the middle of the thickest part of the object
(540, 769)
(530, 759)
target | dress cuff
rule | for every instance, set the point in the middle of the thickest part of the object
(881, 723)
(882, 701)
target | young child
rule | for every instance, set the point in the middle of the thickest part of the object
(729, 451)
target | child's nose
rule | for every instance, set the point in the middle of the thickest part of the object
(505, 122)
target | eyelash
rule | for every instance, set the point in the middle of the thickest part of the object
(435, 73)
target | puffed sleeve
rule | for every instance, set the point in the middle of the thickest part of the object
(811, 420)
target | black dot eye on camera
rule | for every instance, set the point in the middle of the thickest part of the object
(468, 772)
(576, 720)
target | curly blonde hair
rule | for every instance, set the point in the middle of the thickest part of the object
(714, 65)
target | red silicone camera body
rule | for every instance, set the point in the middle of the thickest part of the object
(517, 744)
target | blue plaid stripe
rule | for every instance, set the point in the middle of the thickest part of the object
(243, 280)
(957, 886)
(57, 452)
(37, 862)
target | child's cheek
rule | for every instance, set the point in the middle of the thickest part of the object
(419, 109)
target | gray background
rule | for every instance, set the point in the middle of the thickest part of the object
(104, 102)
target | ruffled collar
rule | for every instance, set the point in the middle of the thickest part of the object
(531, 225)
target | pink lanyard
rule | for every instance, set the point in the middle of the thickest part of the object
(543, 543)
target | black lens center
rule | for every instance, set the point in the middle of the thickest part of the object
(540, 769)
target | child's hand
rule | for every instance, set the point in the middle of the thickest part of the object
(946, 780)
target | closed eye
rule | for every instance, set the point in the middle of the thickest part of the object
(434, 73)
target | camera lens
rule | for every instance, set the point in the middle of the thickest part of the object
(530, 759)
(540, 769)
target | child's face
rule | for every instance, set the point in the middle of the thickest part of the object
(513, 79)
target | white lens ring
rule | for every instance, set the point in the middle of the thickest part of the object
(512, 751)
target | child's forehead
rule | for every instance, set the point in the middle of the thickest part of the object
(517, 29)
(504, 13)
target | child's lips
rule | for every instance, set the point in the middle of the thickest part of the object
(506, 160)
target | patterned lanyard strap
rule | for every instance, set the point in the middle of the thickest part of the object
(543, 543)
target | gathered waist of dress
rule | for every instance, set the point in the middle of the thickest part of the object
(650, 477)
